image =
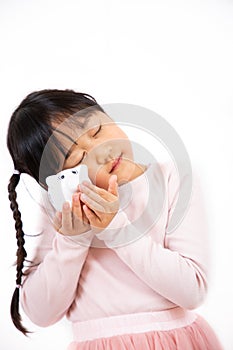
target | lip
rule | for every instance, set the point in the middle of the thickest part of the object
(116, 163)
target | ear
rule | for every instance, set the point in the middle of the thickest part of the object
(49, 180)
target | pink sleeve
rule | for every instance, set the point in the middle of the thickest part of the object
(50, 283)
(176, 268)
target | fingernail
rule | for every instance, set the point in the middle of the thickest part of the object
(66, 205)
(115, 177)
(83, 196)
(81, 186)
(75, 199)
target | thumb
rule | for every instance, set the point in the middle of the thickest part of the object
(113, 185)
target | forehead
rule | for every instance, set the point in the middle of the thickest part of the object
(77, 125)
(71, 128)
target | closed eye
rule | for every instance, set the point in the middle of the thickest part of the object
(96, 133)
(99, 129)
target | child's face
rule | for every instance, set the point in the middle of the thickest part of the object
(103, 147)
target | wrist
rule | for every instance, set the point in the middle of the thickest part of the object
(83, 239)
(114, 234)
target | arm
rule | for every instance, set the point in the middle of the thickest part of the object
(176, 268)
(50, 282)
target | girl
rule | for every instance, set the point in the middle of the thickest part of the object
(106, 261)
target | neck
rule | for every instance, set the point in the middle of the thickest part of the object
(139, 170)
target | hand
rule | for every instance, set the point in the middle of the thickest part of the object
(100, 205)
(71, 221)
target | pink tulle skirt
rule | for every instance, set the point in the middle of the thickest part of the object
(177, 329)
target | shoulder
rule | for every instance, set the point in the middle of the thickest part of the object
(174, 173)
(163, 172)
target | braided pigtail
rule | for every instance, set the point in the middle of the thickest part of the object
(31, 140)
(21, 253)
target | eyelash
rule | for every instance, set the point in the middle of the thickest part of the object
(99, 129)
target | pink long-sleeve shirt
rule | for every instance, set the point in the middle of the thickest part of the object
(134, 265)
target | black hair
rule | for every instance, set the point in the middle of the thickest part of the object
(31, 127)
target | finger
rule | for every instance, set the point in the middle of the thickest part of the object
(76, 205)
(85, 219)
(96, 193)
(113, 185)
(66, 217)
(78, 210)
(57, 221)
(78, 223)
(92, 192)
(92, 204)
(88, 185)
(93, 219)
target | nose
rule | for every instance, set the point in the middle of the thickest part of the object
(102, 153)
(99, 151)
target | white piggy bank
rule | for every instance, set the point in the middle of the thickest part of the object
(62, 185)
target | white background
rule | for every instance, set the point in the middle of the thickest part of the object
(174, 57)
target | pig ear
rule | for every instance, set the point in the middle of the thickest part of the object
(49, 180)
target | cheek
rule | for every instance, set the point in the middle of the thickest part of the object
(127, 148)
